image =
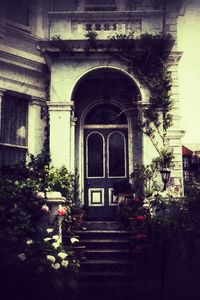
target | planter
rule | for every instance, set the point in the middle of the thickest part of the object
(124, 199)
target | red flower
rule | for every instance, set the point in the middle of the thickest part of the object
(140, 218)
(140, 236)
(136, 199)
(62, 211)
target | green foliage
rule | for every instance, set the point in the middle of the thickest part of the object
(146, 58)
(22, 210)
(19, 209)
(59, 179)
(165, 159)
(144, 179)
(43, 269)
(91, 35)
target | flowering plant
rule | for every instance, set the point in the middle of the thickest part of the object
(140, 218)
(62, 211)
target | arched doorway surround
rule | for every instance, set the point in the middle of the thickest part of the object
(105, 128)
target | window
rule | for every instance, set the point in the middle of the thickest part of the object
(95, 153)
(185, 162)
(100, 5)
(105, 114)
(18, 11)
(64, 5)
(13, 138)
(194, 159)
(117, 154)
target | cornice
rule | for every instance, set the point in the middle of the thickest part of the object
(21, 58)
(103, 15)
(21, 83)
(21, 34)
(175, 133)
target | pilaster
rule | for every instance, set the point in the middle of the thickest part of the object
(36, 125)
(60, 133)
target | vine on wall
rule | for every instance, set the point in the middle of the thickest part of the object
(146, 57)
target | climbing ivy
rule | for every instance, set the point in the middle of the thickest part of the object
(146, 58)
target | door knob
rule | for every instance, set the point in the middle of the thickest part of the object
(88, 183)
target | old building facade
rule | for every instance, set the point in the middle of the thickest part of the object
(48, 62)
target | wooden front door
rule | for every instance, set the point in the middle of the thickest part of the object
(105, 163)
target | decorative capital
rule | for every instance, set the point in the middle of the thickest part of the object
(37, 101)
(60, 106)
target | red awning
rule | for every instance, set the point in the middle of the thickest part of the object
(186, 151)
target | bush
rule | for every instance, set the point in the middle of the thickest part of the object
(25, 270)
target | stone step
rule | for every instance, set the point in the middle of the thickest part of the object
(103, 225)
(114, 254)
(106, 243)
(104, 277)
(102, 234)
(106, 265)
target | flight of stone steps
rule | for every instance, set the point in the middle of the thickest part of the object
(106, 270)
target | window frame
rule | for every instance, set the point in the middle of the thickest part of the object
(6, 145)
(20, 26)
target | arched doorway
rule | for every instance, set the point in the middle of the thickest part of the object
(105, 158)
(107, 142)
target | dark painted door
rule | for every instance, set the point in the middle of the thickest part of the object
(106, 162)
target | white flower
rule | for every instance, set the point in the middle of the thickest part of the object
(64, 263)
(74, 240)
(47, 239)
(45, 208)
(51, 258)
(49, 230)
(55, 237)
(21, 256)
(56, 266)
(62, 255)
(55, 245)
(29, 242)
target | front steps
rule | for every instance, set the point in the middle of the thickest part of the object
(106, 272)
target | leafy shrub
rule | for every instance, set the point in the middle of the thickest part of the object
(24, 251)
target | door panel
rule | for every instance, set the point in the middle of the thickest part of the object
(105, 156)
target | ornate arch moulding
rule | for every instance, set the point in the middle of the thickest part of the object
(144, 93)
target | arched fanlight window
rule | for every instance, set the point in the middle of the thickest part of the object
(105, 114)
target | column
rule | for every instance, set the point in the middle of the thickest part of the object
(73, 124)
(60, 133)
(174, 133)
